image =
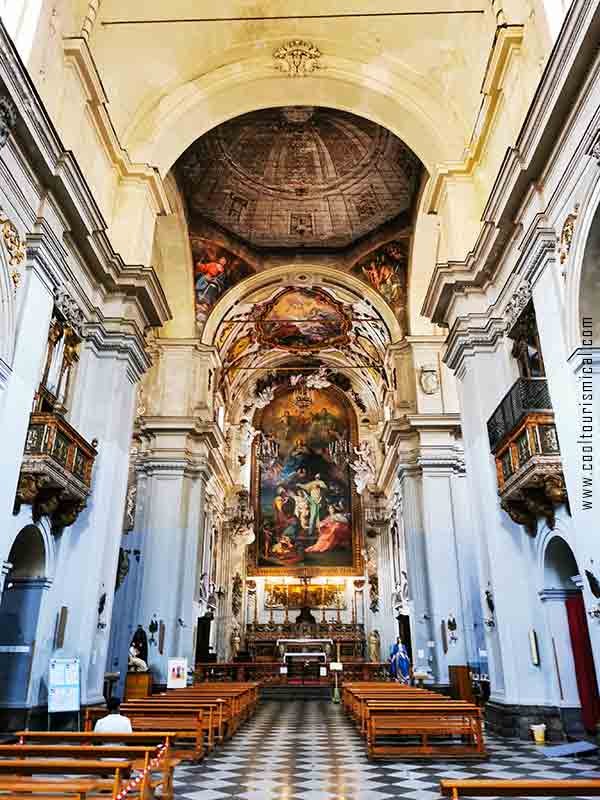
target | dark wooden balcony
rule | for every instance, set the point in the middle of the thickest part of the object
(526, 396)
(56, 473)
(525, 445)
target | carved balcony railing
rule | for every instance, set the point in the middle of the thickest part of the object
(56, 473)
(528, 395)
(525, 445)
(524, 442)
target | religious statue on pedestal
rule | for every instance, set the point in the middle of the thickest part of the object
(374, 646)
(399, 662)
(134, 662)
(236, 641)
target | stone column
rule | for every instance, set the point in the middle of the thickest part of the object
(410, 481)
(102, 407)
(443, 566)
(36, 301)
(171, 524)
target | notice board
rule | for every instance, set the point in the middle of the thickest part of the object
(63, 685)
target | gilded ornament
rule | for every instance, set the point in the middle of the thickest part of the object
(297, 58)
(13, 243)
(566, 236)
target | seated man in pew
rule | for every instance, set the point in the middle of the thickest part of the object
(114, 721)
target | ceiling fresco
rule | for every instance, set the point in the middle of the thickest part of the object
(299, 177)
(215, 271)
(330, 327)
(385, 270)
(302, 320)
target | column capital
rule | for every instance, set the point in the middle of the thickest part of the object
(470, 336)
(557, 594)
(122, 339)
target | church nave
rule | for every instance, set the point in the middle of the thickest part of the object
(311, 751)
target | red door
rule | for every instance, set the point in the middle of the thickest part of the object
(585, 672)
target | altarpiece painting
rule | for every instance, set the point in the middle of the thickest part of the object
(307, 511)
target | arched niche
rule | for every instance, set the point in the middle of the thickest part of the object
(19, 614)
(559, 565)
(28, 554)
(575, 686)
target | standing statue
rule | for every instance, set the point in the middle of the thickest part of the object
(399, 662)
(140, 642)
(236, 641)
(134, 662)
(374, 647)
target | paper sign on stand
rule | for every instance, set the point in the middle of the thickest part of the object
(63, 685)
(177, 677)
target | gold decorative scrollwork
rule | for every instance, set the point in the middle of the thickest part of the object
(15, 247)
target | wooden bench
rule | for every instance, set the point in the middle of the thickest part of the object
(75, 739)
(15, 788)
(217, 720)
(101, 770)
(213, 717)
(428, 722)
(185, 725)
(520, 788)
(139, 756)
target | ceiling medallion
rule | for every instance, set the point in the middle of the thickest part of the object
(297, 58)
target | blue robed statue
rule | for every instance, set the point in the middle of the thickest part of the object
(399, 662)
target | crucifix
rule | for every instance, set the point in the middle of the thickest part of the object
(305, 579)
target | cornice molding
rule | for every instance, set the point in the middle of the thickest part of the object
(507, 42)
(447, 423)
(77, 53)
(58, 171)
(471, 335)
(572, 55)
(121, 339)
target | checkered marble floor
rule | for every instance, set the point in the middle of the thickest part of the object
(311, 751)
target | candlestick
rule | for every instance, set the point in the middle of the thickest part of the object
(323, 614)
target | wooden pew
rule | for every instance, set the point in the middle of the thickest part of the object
(428, 722)
(520, 788)
(184, 725)
(212, 717)
(76, 739)
(101, 770)
(15, 788)
(140, 757)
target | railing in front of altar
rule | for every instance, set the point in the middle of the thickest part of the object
(269, 672)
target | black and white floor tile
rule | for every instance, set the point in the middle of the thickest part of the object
(311, 751)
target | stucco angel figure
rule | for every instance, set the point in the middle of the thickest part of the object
(319, 380)
(363, 467)
(263, 398)
(247, 435)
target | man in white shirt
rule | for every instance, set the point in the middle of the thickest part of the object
(114, 721)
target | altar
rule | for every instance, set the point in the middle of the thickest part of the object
(346, 640)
